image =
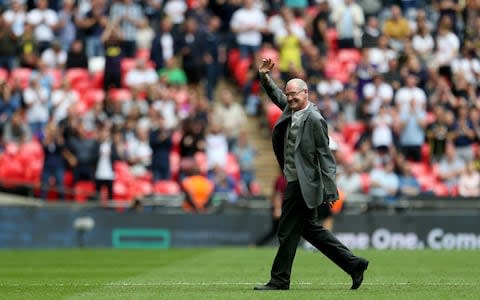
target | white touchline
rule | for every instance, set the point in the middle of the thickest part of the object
(216, 283)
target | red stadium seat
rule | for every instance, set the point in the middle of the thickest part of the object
(83, 190)
(120, 94)
(174, 164)
(76, 75)
(121, 191)
(93, 96)
(273, 114)
(202, 162)
(232, 168)
(22, 75)
(143, 53)
(365, 182)
(349, 56)
(233, 59)
(3, 74)
(97, 80)
(352, 131)
(166, 187)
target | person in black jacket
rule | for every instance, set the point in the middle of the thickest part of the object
(161, 144)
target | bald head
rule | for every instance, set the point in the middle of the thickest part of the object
(296, 91)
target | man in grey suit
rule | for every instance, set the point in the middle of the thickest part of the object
(300, 143)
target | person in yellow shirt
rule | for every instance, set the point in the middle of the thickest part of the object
(397, 28)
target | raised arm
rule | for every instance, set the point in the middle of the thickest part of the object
(273, 91)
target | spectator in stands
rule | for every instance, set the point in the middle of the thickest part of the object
(140, 152)
(10, 102)
(364, 158)
(248, 23)
(164, 104)
(215, 54)
(245, 153)
(224, 185)
(463, 135)
(201, 13)
(66, 27)
(198, 191)
(319, 27)
(82, 154)
(94, 117)
(161, 144)
(467, 64)
(350, 183)
(384, 184)
(377, 93)
(8, 43)
(450, 167)
(381, 55)
(36, 99)
(172, 73)
(231, 115)
(54, 57)
(163, 44)
(348, 18)
(142, 77)
(397, 28)
(130, 17)
(216, 146)
(136, 104)
(53, 163)
(44, 21)
(112, 39)
(382, 135)
(408, 93)
(15, 17)
(290, 46)
(15, 130)
(45, 78)
(192, 50)
(447, 43)
(469, 182)
(76, 57)
(28, 48)
(193, 138)
(106, 157)
(61, 99)
(411, 129)
(408, 185)
(423, 42)
(92, 26)
(175, 10)
(371, 34)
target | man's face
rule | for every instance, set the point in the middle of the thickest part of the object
(296, 97)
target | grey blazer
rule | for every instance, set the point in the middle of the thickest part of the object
(315, 164)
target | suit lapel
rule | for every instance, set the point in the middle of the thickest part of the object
(301, 124)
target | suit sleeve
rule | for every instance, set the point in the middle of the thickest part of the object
(273, 91)
(327, 160)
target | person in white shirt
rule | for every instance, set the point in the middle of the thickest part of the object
(62, 99)
(410, 92)
(447, 43)
(36, 98)
(140, 152)
(16, 17)
(216, 147)
(377, 93)
(107, 155)
(44, 21)
(141, 77)
(54, 57)
(248, 23)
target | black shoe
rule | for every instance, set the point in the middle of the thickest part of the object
(270, 287)
(357, 276)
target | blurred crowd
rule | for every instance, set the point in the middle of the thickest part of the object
(130, 88)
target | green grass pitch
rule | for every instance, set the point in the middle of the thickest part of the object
(231, 273)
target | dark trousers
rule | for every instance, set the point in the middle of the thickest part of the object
(297, 221)
(99, 183)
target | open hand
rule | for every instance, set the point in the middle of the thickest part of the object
(266, 65)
